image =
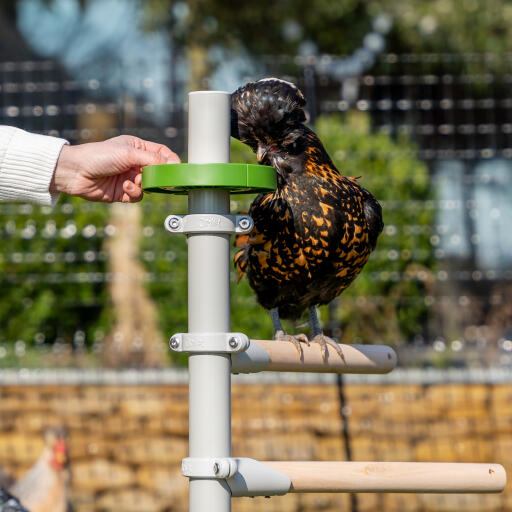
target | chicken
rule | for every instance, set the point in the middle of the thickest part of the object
(314, 234)
(45, 487)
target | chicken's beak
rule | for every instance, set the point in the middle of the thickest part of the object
(261, 153)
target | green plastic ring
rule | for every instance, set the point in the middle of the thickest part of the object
(180, 178)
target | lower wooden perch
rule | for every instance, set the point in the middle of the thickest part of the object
(282, 356)
(405, 477)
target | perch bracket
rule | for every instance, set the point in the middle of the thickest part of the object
(255, 478)
(209, 342)
(244, 476)
(208, 223)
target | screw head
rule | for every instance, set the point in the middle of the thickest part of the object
(244, 223)
(174, 342)
(174, 223)
(234, 342)
(216, 468)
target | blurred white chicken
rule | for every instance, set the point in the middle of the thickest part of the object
(46, 485)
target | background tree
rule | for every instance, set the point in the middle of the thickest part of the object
(267, 27)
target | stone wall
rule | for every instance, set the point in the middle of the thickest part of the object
(126, 442)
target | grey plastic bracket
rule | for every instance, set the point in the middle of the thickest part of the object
(208, 223)
(221, 468)
(244, 476)
(255, 478)
(209, 342)
(253, 360)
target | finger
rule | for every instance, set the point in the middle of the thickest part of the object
(148, 145)
(127, 199)
(133, 191)
(138, 181)
(141, 158)
(131, 174)
(154, 147)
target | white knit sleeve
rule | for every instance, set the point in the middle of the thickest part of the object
(27, 163)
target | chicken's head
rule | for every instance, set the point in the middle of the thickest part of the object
(55, 439)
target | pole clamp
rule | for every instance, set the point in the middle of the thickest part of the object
(244, 476)
(209, 342)
(220, 468)
(208, 223)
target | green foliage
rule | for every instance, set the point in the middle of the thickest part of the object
(165, 258)
(267, 27)
(450, 26)
(385, 303)
(52, 272)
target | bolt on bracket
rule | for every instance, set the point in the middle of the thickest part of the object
(208, 223)
(209, 342)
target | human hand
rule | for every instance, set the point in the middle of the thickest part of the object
(108, 171)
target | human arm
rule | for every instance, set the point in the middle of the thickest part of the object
(27, 163)
(36, 168)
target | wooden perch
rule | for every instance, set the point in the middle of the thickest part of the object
(281, 356)
(406, 477)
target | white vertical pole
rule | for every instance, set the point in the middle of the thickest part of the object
(208, 302)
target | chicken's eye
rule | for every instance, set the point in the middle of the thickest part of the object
(293, 148)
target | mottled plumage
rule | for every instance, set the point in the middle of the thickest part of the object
(313, 235)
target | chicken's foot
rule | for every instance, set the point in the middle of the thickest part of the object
(296, 340)
(319, 336)
(281, 335)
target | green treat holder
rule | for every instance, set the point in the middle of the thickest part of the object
(180, 178)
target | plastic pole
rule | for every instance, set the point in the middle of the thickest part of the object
(208, 303)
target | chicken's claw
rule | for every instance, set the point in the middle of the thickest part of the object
(323, 341)
(283, 336)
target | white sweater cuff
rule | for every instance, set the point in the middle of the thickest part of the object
(27, 163)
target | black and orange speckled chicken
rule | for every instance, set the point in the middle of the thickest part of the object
(313, 235)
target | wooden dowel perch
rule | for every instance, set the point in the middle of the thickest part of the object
(406, 477)
(280, 356)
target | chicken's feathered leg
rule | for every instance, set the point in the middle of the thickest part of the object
(281, 335)
(319, 336)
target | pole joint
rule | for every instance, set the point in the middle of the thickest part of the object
(208, 223)
(209, 342)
